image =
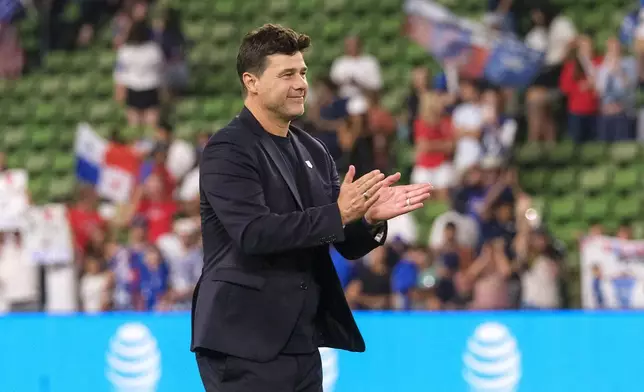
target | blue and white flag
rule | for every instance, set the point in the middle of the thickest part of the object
(477, 52)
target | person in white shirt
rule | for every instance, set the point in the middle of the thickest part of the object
(467, 122)
(18, 275)
(355, 72)
(139, 76)
(94, 287)
(554, 34)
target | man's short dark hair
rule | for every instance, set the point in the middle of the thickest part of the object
(267, 40)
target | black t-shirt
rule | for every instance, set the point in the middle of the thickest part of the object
(302, 339)
(373, 283)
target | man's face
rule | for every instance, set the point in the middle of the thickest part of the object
(282, 87)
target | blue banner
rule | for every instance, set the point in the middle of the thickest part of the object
(406, 352)
(473, 49)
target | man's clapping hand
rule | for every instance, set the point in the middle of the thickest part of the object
(356, 197)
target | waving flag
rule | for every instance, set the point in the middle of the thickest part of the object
(470, 47)
(111, 168)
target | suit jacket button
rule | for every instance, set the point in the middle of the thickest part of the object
(304, 286)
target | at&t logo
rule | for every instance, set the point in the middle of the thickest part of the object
(133, 359)
(492, 359)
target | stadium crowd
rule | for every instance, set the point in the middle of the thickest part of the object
(489, 251)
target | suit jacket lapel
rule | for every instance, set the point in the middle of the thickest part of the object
(314, 187)
(277, 158)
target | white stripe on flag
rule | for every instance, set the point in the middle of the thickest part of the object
(89, 145)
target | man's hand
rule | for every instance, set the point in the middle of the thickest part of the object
(357, 197)
(394, 201)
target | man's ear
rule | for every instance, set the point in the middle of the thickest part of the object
(250, 81)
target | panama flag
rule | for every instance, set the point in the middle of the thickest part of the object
(111, 168)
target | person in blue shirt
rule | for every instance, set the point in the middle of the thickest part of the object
(154, 280)
(344, 268)
(404, 276)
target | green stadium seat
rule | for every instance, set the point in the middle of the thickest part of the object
(561, 154)
(569, 233)
(624, 153)
(62, 188)
(626, 179)
(595, 208)
(533, 180)
(38, 187)
(564, 209)
(37, 163)
(16, 160)
(42, 137)
(595, 180)
(593, 153)
(14, 138)
(628, 208)
(563, 181)
(45, 112)
(529, 154)
(64, 163)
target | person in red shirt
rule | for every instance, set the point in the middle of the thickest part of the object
(577, 81)
(434, 143)
(84, 219)
(154, 204)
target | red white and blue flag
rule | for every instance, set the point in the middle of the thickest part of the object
(110, 167)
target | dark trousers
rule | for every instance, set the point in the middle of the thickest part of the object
(286, 373)
(581, 128)
(615, 127)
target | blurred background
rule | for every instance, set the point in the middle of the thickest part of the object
(526, 116)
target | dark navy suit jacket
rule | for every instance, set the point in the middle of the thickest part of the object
(255, 229)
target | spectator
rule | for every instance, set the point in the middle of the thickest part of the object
(12, 57)
(625, 231)
(404, 277)
(152, 202)
(578, 83)
(94, 286)
(186, 269)
(382, 126)
(498, 130)
(434, 144)
(170, 37)
(488, 276)
(19, 282)
(133, 11)
(157, 164)
(540, 275)
(554, 34)
(616, 83)
(85, 219)
(138, 76)
(356, 73)
(154, 281)
(420, 84)
(467, 121)
(180, 155)
(124, 276)
(372, 287)
(466, 226)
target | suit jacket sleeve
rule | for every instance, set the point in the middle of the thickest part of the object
(231, 184)
(359, 238)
